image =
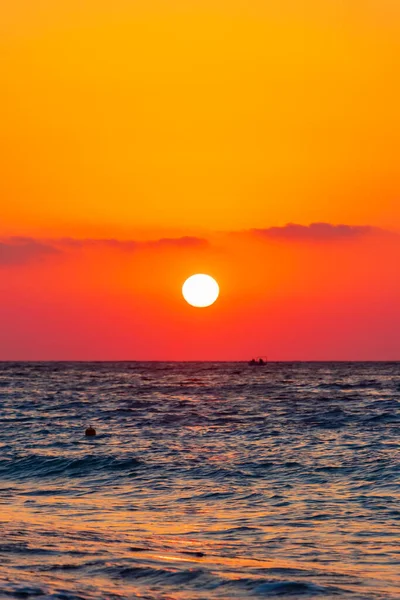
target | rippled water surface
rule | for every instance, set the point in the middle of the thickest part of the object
(205, 481)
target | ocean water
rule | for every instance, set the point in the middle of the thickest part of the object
(205, 481)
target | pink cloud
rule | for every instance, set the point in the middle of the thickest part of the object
(318, 232)
(18, 251)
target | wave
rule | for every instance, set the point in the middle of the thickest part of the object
(204, 580)
(383, 418)
(37, 465)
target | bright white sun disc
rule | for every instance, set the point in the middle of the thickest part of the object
(200, 290)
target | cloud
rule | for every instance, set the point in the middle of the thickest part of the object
(133, 245)
(19, 251)
(78, 244)
(182, 242)
(317, 232)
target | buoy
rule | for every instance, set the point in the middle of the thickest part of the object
(90, 431)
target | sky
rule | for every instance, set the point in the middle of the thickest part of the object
(144, 141)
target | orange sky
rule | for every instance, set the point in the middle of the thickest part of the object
(154, 120)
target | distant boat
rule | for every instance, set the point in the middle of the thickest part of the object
(258, 362)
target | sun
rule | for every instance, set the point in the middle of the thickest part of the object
(200, 290)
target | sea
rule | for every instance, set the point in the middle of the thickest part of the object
(204, 481)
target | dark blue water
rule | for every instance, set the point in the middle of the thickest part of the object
(204, 481)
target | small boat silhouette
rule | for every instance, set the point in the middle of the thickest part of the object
(258, 362)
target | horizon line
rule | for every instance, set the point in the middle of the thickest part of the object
(243, 361)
